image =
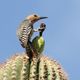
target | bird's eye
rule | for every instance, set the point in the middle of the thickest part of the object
(35, 15)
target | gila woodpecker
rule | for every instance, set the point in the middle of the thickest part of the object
(26, 30)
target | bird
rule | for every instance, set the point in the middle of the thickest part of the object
(26, 30)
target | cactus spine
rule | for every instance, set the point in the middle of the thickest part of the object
(20, 67)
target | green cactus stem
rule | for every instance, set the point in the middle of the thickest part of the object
(21, 68)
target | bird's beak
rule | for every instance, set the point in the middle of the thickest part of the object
(42, 18)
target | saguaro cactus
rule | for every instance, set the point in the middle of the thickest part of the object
(20, 67)
(24, 67)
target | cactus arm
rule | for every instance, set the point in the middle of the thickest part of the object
(25, 72)
(43, 74)
(33, 70)
(7, 71)
(51, 71)
(16, 67)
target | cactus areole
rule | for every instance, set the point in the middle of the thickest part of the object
(20, 67)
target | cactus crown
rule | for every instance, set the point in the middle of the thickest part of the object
(20, 67)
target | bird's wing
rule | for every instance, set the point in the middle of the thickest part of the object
(24, 27)
(24, 31)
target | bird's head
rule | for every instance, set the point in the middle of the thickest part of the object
(34, 18)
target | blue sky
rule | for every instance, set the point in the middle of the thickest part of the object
(62, 35)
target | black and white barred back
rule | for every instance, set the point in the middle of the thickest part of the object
(25, 32)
